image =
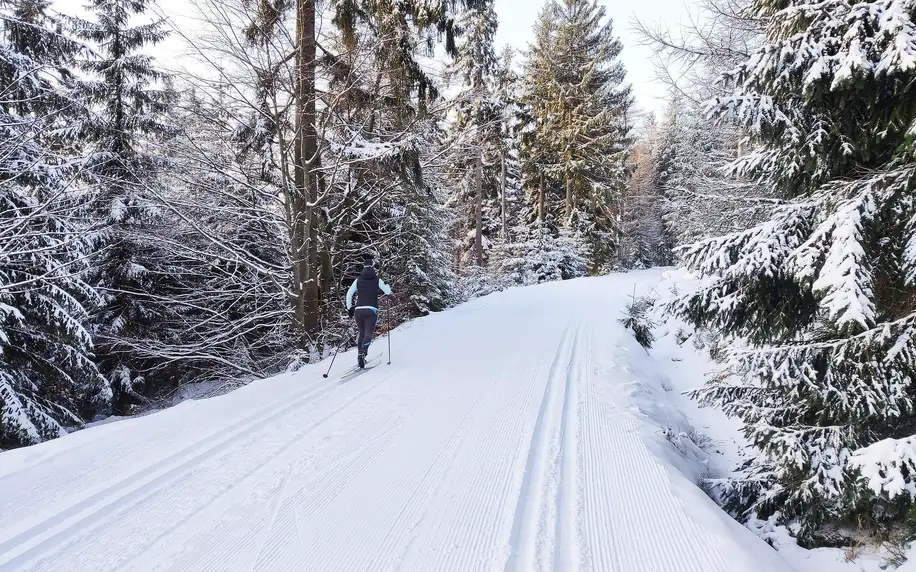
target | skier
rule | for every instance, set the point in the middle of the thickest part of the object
(367, 288)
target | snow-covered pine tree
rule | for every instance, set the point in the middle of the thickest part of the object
(644, 240)
(416, 241)
(507, 86)
(399, 33)
(506, 208)
(825, 288)
(702, 198)
(47, 374)
(127, 107)
(475, 138)
(576, 145)
(538, 256)
(46, 370)
(345, 153)
(383, 170)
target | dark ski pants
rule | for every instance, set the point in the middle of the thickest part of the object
(365, 325)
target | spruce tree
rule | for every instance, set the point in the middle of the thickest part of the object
(475, 142)
(352, 158)
(507, 85)
(575, 148)
(127, 107)
(644, 240)
(702, 196)
(825, 287)
(382, 177)
(46, 371)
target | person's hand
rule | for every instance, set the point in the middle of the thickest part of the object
(350, 311)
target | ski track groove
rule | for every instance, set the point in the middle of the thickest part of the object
(566, 550)
(486, 482)
(414, 471)
(128, 453)
(493, 480)
(214, 558)
(163, 476)
(527, 521)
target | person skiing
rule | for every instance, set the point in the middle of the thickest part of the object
(365, 309)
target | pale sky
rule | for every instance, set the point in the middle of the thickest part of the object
(516, 18)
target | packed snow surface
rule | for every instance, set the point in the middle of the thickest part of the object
(508, 435)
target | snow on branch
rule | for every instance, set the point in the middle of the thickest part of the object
(834, 257)
(358, 147)
(761, 250)
(888, 467)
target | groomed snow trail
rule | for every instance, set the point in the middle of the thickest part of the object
(504, 437)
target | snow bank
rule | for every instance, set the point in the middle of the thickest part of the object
(681, 358)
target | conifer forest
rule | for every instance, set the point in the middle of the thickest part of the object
(164, 229)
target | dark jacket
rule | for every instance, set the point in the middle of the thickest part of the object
(367, 289)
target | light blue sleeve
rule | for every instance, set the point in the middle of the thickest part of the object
(385, 288)
(350, 294)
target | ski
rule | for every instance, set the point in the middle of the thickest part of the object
(353, 371)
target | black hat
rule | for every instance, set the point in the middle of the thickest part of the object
(367, 258)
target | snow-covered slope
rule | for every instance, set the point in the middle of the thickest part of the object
(509, 434)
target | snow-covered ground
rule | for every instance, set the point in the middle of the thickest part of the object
(523, 431)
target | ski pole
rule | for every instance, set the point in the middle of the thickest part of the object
(332, 360)
(388, 322)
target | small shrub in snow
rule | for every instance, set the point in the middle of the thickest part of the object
(542, 258)
(479, 282)
(638, 321)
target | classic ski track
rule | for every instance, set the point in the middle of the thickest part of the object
(566, 548)
(489, 490)
(128, 452)
(423, 469)
(455, 474)
(351, 463)
(527, 523)
(34, 543)
(239, 427)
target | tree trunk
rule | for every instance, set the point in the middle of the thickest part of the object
(569, 200)
(304, 229)
(541, 200)
(502, 174)
(478, 234)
